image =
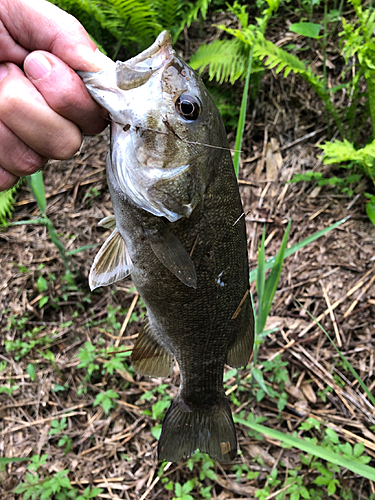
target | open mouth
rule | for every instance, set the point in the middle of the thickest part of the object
(135, 72)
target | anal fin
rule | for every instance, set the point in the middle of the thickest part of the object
(171, 253)
(149, 357)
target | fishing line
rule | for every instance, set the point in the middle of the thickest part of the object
(170, 129)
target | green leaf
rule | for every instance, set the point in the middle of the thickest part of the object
(311, 30)
(265, 300)
(42, 284)
(112, 394)
(311, 448)
(5, 461)
(6, 203)
(260, 283)
(370, 210)
(258, 375)
(35, 181)
(43, 301)
(31, 372)
(242, 117)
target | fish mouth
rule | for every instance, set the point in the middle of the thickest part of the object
(135, 72)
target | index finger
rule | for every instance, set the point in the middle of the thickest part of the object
(39, 25)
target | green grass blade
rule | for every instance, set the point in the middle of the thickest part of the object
(39, 220)
(5, 461)
(35, 181)
(56, 241)
(261, 280)
(345, 361)
(81, 249)
(273, 279)
(293, 249)
(242, 117)
(311, 448)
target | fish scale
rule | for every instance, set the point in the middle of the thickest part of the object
(178, 230)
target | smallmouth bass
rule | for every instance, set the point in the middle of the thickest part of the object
(178, 230)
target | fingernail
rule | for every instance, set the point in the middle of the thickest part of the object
(102, 60)
(3, 71)
(95, 60)
(37, 66)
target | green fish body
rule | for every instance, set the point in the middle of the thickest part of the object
(179, 231)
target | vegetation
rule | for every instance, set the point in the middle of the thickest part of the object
(227, 60)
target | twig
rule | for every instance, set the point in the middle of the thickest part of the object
(126, 320)
(355, 302)
(154, 482)
(337, 303)
(333, 319)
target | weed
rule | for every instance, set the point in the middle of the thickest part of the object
(30, 339)
(158, 408)
(87, 356)
(57, 486)
(57, 426)
(106, 400)
(4, 389)
(204, 472)
(67, 442)
(229, 60)
(134, 25)
(31, 372)
(244, 469)
(278, 378)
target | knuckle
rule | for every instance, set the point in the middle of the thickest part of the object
(65, 149)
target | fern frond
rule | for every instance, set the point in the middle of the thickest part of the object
(6, 203)
(131, 20)
(168, 11)
(91, 17)
(343, 151)
(193, 9)
(226, 60)
(284, 61)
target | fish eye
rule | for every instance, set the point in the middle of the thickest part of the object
(188, 107)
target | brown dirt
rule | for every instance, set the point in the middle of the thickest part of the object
(333, 278)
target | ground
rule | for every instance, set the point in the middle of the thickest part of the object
(49, 324)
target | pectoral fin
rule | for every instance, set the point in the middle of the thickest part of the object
(169, 250)
(149, 357)
(112, 263)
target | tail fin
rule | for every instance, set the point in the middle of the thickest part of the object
(209, 429)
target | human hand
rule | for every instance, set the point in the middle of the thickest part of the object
(44, 108)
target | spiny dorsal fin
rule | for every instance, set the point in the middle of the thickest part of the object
(149, 357)
(169, 250)
(112, 263)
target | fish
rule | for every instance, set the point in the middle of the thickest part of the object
(178, 229)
